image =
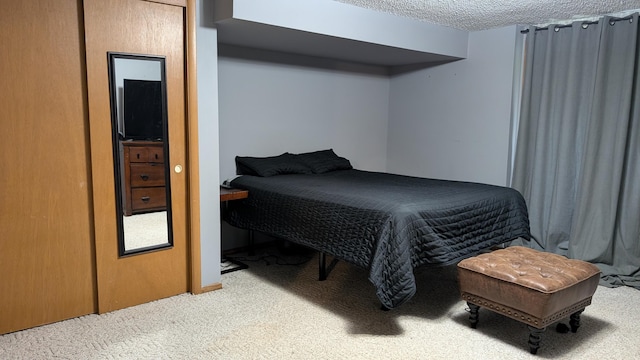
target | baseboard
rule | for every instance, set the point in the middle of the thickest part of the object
(212, 287)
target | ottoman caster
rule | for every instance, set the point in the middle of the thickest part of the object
(575, 321)
(535, 335)
(473, 314)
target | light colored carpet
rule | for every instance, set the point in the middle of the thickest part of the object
(142, 230)
(273, 311)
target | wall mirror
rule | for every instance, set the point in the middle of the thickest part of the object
(140, 143)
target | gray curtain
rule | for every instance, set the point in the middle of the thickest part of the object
(577, 160)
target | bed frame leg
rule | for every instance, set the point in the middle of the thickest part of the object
(250, 245)
(322, 266)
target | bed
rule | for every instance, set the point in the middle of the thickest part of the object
(385, 223)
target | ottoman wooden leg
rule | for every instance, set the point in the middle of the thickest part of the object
(473, 314)
(575, 320)
(534, 338)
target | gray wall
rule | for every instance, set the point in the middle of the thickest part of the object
(272, 103)
(453, 121)
(372, 32)
(209, 168)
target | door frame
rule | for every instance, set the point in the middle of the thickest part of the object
(193, 159)
(191, 206)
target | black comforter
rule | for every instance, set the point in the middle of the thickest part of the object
(386, 223)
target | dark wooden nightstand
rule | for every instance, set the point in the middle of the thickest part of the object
(226, 195)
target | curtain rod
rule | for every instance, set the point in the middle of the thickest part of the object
(584, 23)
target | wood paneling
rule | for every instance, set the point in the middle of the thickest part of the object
(193, 146)
(46, 252)
(137, 27)
(52, 167)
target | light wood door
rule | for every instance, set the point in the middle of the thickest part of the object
(150, 28)
(47, 268)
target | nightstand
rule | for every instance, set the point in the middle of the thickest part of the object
(226, 195)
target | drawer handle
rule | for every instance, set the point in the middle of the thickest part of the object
(144, 177)
(145, 198)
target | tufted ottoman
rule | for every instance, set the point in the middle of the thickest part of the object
(533, 287)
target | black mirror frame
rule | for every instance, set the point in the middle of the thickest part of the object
(117, 162)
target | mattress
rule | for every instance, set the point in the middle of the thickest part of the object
(385, 223)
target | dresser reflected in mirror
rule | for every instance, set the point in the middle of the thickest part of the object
(140, 145)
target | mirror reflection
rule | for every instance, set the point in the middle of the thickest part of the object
(140, 145)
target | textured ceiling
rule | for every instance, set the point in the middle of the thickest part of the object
(486, 14)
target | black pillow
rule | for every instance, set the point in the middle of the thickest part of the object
(270, 166)
(323, 161)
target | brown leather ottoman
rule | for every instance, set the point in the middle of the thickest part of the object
(533, 287)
